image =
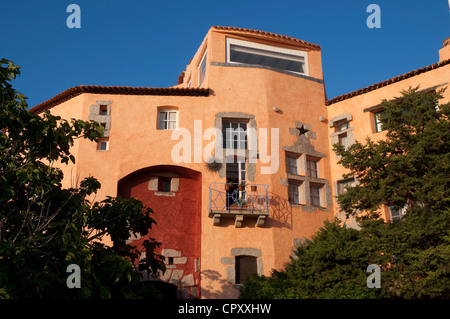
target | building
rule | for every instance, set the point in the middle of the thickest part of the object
(250, 107)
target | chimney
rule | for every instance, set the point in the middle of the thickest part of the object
(444, 53)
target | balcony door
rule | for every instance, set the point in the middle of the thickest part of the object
(236, 174)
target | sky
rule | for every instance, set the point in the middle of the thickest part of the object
(149, 43)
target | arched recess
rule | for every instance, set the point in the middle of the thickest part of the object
(174, 195)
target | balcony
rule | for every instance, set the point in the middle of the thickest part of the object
(231, 200)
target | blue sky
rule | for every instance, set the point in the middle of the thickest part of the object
(149, 43)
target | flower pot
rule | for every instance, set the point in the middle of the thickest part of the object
(254, 188)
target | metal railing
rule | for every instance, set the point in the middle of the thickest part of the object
(233, 196)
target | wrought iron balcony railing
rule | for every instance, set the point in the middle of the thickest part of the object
(239, 199)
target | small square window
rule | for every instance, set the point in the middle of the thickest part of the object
(167, 120)
(164, 184)
(103, 145)
(397, 213)
(103, 110)
(343, 125)
(343, 185)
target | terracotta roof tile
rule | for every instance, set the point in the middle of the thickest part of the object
(121, 90)
(387, 82)
(271, 35)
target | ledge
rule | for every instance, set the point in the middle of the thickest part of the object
(168, 194)
(239, 215)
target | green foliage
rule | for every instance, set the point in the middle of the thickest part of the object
(413, 256)
(44, 227)
(330, 266)
(411, 166)
(411, 169)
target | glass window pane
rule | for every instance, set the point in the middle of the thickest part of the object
(378, 122)
(294, 193)
(395, 213)
(292, 165)
(315, 195)
(256, 56)
(311, 168)
(343, 139)
(343, 126)
(166, 185)
(202, 68)
(234, 135)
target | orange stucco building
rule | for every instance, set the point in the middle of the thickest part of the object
(250, 107)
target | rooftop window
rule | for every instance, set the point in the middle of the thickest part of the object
(245, 52)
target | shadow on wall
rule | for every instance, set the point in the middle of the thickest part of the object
(226, 291)
(280, 212)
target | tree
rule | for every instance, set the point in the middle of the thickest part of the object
(44, 227)
(329, 266)
(410, 169)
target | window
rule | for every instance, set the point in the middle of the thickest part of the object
(245, 267)
(396, 213)
(234, 135)
(164, 184)
(292, 164)
(235, 172)
(103, 145)
(315, 194)
(312, 169)
(343, 140)
(342, 185)
(167, 120)
(245, 52)
(103, 110)
(378, 123)
(341, 126)
(202, 69)
(294, 192)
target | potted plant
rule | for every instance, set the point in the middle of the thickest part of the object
(241, 202)
(241, 186)
(228, 185)
(254, 188)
